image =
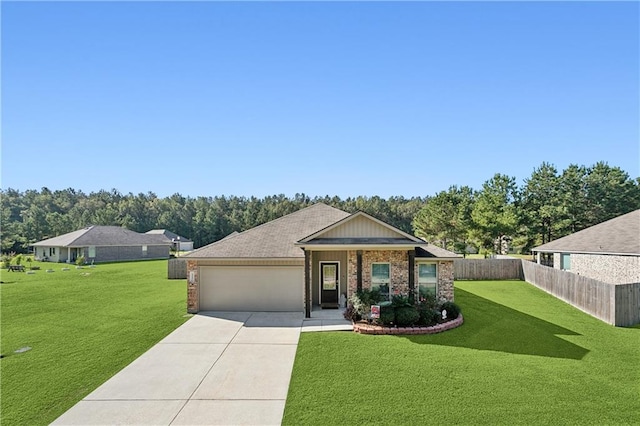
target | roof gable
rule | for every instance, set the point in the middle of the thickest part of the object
(360, 225)
(620, 235)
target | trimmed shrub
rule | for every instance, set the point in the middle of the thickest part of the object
(387, 314)
(369, 297)
(400, 301)
(406, 316)
(428, 316)
(387, 317)
(452, 309)
(80, 261)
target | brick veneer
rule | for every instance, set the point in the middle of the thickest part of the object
(399, 261)
(445, 280)
(608, 268)
(364, 328)
(192, 287)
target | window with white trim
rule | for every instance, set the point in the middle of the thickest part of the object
(427, 280)
(381, 278)
(92, 251)
(565, 261)
(144, 250)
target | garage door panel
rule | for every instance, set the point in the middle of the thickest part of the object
(247, 288)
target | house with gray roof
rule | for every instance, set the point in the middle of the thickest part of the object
(178, 243)
(608, 251)
(102, 244)
(311, 259)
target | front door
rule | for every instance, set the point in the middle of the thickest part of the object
(329, 285)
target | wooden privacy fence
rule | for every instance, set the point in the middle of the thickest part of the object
(487, 269)
(177, 269)
(616, 304)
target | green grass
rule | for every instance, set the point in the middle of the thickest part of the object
(83, 326)
(521, 357)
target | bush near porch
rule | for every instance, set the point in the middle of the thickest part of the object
(401, 311)
(521, 357)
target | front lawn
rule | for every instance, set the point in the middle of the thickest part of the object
(521, 357)
(83, 326)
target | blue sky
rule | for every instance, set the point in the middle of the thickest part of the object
(325, 98)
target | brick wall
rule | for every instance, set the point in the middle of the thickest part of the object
(192, 287)
(399, 269)
(607, 268)
(445, 280)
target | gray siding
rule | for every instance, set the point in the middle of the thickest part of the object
(118, 253)
(327, 256)
(361, 227)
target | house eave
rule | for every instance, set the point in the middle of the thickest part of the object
(242, 259)
(603, 253)
(339, 247)
(439, 259)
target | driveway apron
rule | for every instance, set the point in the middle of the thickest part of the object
(218, 368)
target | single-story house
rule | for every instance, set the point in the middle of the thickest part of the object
(178, 243)
(314, 258)
(608, 251)
(102, 244)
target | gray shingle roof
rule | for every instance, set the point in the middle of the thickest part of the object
(434, 251)
(168, 234)
(103, 236)
(273, 239)
(620, 235)
(278, 238)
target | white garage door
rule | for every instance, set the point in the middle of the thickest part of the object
(251, 288)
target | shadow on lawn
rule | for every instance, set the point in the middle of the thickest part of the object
(493, 327)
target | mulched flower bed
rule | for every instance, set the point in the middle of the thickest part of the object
(365, 328)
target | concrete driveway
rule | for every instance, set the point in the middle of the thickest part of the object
(219, 368)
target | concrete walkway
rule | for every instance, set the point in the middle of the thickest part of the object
(216, 369)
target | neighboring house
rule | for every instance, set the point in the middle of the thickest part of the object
(102, 244)
(178, 243)
(608, 252)
(315, 257)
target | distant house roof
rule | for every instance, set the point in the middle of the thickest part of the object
(169, 235)
(103, 236)
(316, 226)
(620, 235)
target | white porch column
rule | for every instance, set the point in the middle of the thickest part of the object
(68, 254)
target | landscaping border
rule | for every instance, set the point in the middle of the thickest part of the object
(364, 328)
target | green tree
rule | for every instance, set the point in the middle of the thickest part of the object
(494, 212)
(541, 207)
(445, 218)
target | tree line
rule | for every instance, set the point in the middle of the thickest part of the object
(547, 206)
(34, 215)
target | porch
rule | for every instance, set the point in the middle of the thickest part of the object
(326, 320)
